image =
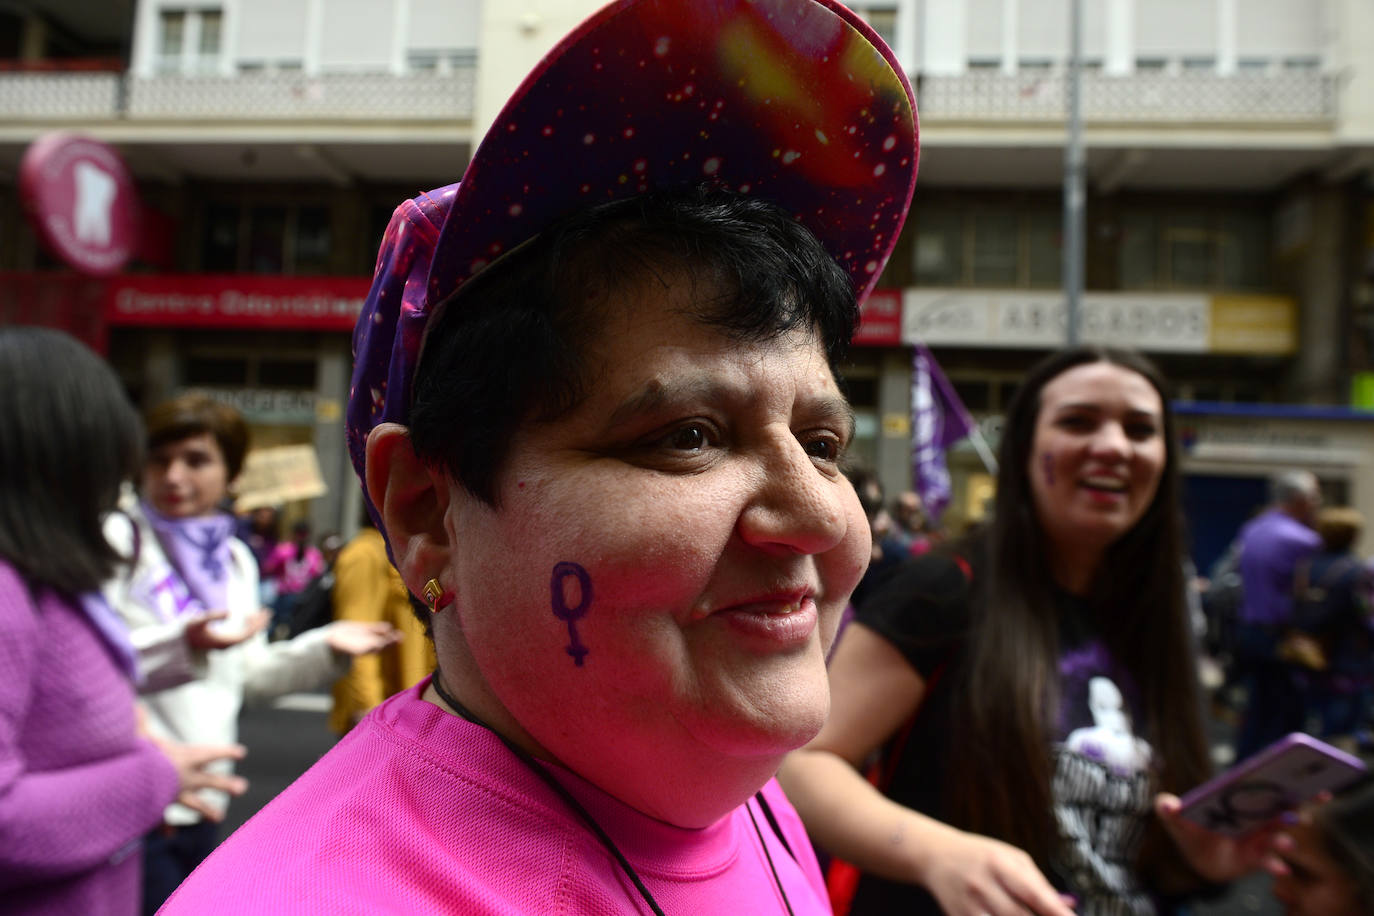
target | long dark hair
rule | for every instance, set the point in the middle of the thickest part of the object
(68, 439)
(1000, 786)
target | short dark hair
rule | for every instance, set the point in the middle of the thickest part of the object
(510, 346)
(70, 439)
(193, 414)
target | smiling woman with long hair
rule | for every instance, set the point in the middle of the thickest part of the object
(1033, 687)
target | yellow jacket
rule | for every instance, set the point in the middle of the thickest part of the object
(368, 588)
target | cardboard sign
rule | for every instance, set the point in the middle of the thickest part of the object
(272, 476)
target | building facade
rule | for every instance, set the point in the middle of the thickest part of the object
(1228, 233)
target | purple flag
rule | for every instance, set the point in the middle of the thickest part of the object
(938, 420)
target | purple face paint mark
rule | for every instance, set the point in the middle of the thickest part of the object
(1047, 465)
(570, 615)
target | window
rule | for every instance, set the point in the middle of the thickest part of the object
(881, 18)
(1199, 64)
(988, 247)
(1151, 64)
(189, 40)
(985, 63)
(208, 59)
(1252, 65)
(1302, 63)
(996, 254)
(172, 36)
(1194, 248)
(267, 239)
(1034, 64)
(442, 61)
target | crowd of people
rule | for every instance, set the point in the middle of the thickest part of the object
(625, 630)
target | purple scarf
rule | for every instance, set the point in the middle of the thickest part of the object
(113, 631)
(198, 549)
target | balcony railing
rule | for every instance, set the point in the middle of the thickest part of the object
(58, 96)
(1140, 98)
(296, 97)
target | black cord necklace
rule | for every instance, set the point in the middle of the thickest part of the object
(535, 767)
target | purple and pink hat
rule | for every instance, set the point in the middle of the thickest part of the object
(795, 101)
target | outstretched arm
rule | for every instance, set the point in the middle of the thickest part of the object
(873, 692)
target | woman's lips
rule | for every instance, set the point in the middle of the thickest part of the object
(781, 624)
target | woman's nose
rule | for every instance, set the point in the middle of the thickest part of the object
(795, 506)
(1110, 439)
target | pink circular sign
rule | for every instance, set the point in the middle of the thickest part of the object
(81, 201)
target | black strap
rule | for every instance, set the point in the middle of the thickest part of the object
(767, 812)
(523, 756)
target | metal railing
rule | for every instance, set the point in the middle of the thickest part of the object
(42, 97)
(1139, 98)
(58, 96)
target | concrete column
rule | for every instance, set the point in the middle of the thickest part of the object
(336, 509)
(1226, 36)
(1119, 53)
(892, 460)
(1317, 279)
(400, 30)
(314, 37)
(1011, 26)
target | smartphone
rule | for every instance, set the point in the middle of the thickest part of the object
(1277, 779)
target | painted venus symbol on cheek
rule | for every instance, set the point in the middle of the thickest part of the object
(570, 615)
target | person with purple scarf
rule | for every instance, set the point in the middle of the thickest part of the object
(190, 602)
(78, 784)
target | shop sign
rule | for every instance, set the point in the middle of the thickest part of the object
(1268, 443)
(81, 201)
(1162, 323)
(273, 407)
(236, 301)
(880, 319)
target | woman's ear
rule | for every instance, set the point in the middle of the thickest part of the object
(412, 499)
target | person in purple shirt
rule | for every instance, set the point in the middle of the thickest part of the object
(79, 784)
(1271, 544)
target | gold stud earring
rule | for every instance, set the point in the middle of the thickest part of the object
(434, 593)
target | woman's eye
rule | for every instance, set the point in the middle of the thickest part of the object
(1075, 423)
(1141, 431)
(690, 438)
(823, 448)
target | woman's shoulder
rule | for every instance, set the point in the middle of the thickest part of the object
(926, 600)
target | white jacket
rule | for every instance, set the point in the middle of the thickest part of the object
(193, 696)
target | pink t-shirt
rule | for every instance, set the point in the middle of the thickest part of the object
(291, 574)
(419, 811)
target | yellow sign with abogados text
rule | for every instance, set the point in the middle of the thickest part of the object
(1255, 324)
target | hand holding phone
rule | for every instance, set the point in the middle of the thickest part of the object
(1277, 779)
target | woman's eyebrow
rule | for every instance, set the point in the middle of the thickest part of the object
(656, 394)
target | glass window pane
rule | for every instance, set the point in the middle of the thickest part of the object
(1139, 252)
(939, 250)
(1244, 239)
(209, 32)
(287, 373)
(1044, 241)
(226, 371)
(995, 250)
(173, 32)
(266, 240)
(312, 240)
(219, 250)
(1190, 250)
